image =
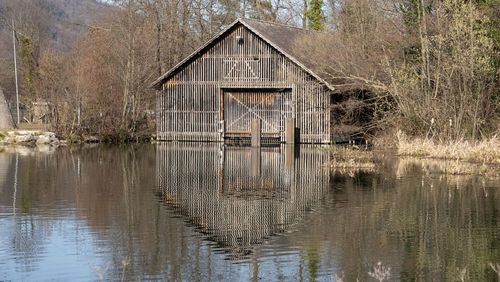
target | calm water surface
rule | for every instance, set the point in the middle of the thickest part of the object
(189, 211)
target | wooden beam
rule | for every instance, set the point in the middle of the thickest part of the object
(256, 129)
(290, 130)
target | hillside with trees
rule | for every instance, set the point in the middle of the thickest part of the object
(40, 25)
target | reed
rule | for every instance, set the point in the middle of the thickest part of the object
(346, 159)
(486, 151)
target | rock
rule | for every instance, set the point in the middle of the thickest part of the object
(24, 138)
(43, 139)
(28, 136)
(49, 134)
(9, 139)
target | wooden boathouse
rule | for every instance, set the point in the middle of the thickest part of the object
(249, 71)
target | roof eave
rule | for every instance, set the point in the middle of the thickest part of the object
(158, 82)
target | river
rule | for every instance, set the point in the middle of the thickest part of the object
(205, 211)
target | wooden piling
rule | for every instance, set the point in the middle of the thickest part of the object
(255, 163)
(289, 157)
(290, 130)
(255, 125)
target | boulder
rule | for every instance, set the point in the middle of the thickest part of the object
(28, 136)
(43, 139)
(9, 139)
(24, 138)
(49, 134)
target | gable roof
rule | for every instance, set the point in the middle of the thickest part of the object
(279, 36)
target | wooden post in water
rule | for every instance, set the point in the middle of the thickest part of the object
(290, 130)
(289, 157)
(255, 162)
(255, 126)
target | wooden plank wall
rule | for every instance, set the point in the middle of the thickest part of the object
(189, 106)
(214, 188)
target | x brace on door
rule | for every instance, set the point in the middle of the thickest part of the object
(251, 110)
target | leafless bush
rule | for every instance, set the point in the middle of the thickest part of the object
(438, 70)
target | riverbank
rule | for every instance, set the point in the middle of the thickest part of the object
(483, 152)
(481, 158)
(29, 137)
(29, 133)
(351, 161)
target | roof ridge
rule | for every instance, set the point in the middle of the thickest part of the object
(275, 23)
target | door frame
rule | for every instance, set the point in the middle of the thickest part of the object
(222, 122)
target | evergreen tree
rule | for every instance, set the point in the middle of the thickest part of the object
(315, 15)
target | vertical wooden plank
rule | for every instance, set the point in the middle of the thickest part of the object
(290, 131)
(256, 132)
(255, 164)
(222, 125)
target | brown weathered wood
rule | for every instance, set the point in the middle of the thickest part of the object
(289, 157)
(193, 104)
(290, 131)
(256, 128)
(255, 163)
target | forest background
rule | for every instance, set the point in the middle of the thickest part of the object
(422, 68)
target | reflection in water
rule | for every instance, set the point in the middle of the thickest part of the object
(14, 197)
(426, 227)
(80, 213)
(239, 196)
(6, 164)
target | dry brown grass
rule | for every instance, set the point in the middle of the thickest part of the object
(485, 152)
(350, 159)
(31, 126)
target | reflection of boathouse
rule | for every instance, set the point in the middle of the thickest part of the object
(240, 196)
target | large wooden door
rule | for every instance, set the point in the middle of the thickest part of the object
(241, 106)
